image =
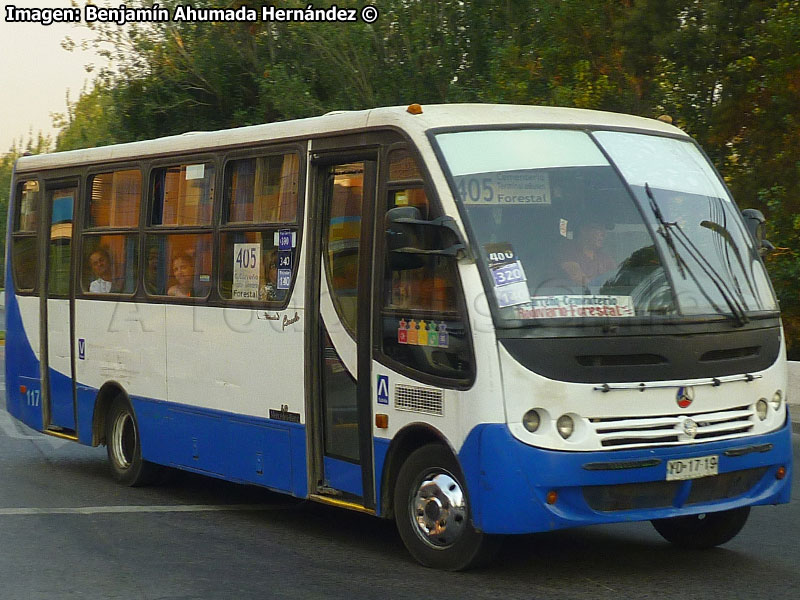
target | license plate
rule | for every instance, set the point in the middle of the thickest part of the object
(692, 468)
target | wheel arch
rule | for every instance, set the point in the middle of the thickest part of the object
(109, 392)
(407, 440)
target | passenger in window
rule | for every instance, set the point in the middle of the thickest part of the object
(183, 271)
(100, 262)
(585, 259)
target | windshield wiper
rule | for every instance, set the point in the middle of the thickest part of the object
(737, 311)
(723, 232)
(665, 233)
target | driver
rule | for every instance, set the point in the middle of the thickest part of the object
(585, 258)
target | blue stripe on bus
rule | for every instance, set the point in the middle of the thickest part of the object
(508, 481)
(22, 366)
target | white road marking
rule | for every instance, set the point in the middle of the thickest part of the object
(97, 510)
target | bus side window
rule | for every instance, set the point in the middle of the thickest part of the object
(422, 327)
(110, 264)
(24, 249)
(183, 195)
(178, 265)
(259, 228)
(110, 257)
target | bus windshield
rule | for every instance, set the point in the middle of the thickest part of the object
(561, 237)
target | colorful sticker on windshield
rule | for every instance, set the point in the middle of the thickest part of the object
(580, 307)
(505, 188)
(420, 333)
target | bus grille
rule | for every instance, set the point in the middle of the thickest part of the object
(663, 494)
(670, 429)
(419, 399)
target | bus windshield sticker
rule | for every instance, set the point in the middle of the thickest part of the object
(284, 279)
(500, 253)
(508, 275)
(512, 295)
(561, 307)
(246, 271)
(285, 239)
(195, 171)
(505, 188)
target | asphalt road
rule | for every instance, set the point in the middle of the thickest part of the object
(68, 531)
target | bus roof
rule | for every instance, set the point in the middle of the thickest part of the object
(432, 116)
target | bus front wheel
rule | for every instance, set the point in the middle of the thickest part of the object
(705, 530)
(433, 514)
(124, 448)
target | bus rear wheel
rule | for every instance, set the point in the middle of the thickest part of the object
(124, 447)
(705, 530)
(433, 514)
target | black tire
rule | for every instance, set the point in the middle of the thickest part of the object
(702, 531)
(433, 514)
(123, 446)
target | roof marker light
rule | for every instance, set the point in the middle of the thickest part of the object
(414, 109)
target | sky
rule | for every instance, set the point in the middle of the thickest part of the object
(35, 72)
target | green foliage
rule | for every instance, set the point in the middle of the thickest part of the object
(89, 121)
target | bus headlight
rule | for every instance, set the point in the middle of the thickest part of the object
(531, 420)
(761, 408)
(565, 426)
(777, 398)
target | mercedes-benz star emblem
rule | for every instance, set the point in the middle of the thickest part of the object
(685, 396)
(690, 428)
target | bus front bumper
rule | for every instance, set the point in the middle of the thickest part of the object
(516, 488)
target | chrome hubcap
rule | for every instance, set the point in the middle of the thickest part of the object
(439, 510)
(123, 440)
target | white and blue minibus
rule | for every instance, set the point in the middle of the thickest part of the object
(478, 320)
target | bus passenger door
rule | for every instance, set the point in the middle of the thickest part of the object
(340, 337)
(57, 364)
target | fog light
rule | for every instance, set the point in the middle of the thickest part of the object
(777, 397)
(761, 408)
(531, 420)
(565, 426)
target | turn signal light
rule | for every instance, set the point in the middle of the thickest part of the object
(780, 473)
(552, 496)
(382, 421)
(23, 389)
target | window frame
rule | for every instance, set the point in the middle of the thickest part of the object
(60, 180)
(35, 235)
(86, 232)
(386, 187)
(147, 229)
(223, 227)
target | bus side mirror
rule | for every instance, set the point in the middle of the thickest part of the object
(409, 238)
(757, 226)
